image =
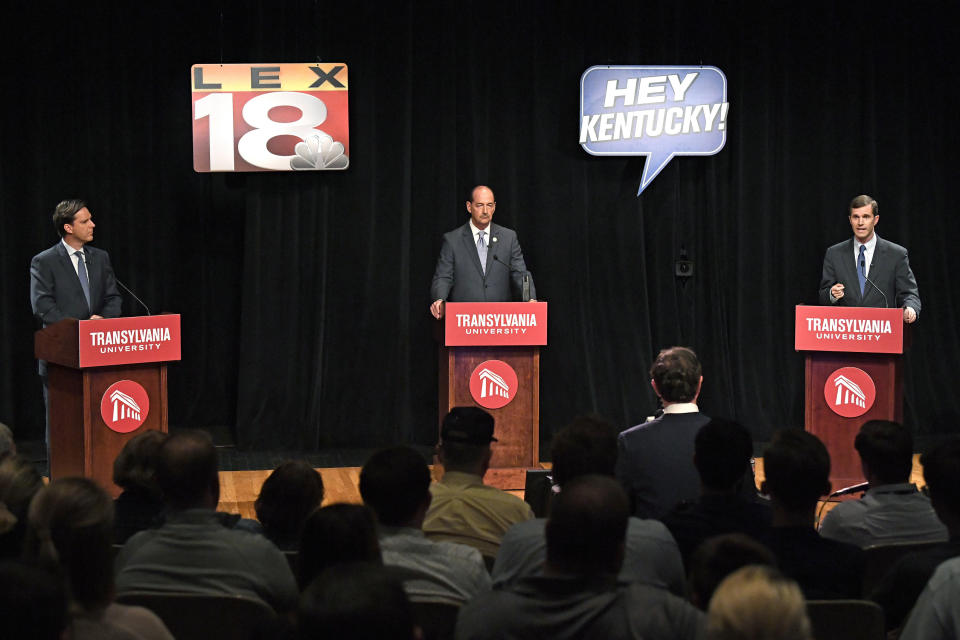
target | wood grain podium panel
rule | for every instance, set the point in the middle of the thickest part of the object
(838, 432)
(517, 423)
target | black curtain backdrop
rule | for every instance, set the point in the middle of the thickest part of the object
(304, 296)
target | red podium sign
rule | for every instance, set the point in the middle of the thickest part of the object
(118, 341)
(495, 324)
(853, 329)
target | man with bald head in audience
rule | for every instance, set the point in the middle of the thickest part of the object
(193, 552)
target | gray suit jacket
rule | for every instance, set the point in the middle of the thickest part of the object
(55, 291)
(459, 277)
(889, 271)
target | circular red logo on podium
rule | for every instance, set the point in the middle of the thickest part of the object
(493, 384)
(124, 406)
(849, 392)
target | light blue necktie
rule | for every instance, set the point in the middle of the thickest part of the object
(482, 251)
(84, 280)
(862, 269)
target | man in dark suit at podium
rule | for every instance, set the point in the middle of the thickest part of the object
(479, 261)
(71, 279)
(868, 271)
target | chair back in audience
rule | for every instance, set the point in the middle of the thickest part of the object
(537, 490)
(206, 617)
(846, 620)
(879, 558)
(435, 619)
(293, 558)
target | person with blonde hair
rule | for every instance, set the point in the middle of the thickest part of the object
(757, 602)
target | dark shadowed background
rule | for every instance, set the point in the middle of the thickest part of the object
(304, 296)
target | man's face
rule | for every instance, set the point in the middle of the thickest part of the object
(863, 221)
(82, 227)
(481, 207)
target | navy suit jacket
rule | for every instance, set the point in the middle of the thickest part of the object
(55, 291)
(655, 463)
(889, 271)
(459, 277)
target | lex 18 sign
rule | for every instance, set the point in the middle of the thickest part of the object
(270, 117)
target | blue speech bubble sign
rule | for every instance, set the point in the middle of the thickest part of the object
(659, 112)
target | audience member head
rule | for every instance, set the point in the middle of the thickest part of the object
(33, 602)
(886, 451)
(71, 528)
(717, 558)
(356, 601)
(676, 375)
(395, 483)
(588, 445)
(465, 438)
(135, 468)
(587, 526)
(796, 467)
(336, 534)
(187, 471)
(941, 471)
(19, 482)
(758, 603)
(288, 495)
(7, 445)
(722, 452)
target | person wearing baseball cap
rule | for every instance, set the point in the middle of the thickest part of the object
(464, 510)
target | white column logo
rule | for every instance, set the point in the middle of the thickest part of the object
(493, 385)
(124, 406)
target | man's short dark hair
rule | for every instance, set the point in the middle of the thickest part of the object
(187, 468)
(135, 468)
(588, 525)
(722, 452)
(336, 534)
(287, 497)
(676, 372)
(886, 447)
(65, 213)
(863, 201)
(353, 601)
(394, 483)
(796, 467)
(720, 556)
(587, 445)
(941, 470)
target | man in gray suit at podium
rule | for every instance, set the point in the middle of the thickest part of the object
(479, 261)
(868, 271)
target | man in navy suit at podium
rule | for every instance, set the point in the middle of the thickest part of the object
(71, 279)
(868, 271)
(479, 261)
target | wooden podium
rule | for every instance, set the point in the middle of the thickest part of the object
(853, 374)
(107, 381)
(511, 333)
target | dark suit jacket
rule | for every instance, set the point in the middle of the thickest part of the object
(55, 291)
(459, 277)
(655, 463)
(889, 271)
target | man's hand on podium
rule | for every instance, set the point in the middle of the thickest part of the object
(909, 315)
(437, 309)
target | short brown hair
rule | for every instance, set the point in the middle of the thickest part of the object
(65, 212)
(864, 201)
(676, 372)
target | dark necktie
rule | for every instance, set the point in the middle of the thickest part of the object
(84, 280)
(862, 269)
